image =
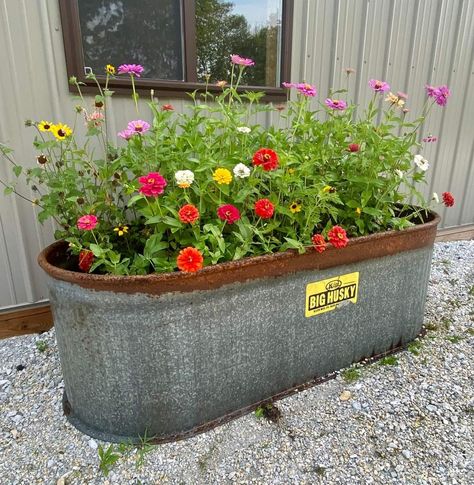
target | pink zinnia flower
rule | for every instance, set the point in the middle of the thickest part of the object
(152, 184)
(430, 90)
(132, 69)
(138, 126)
(441, 95)
(338, 104)
(288, 85)
(87, 222)
(402, 95)
(126, 134)
(167, 107)
(306, 89)
(430, 139)
(379, 86)
(241, 61)
(95, 118)
(228, 213)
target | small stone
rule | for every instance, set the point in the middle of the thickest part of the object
(407, 454)
(93, 444)
(51, 463)
(356, 405)
(14, 433)
(63, 479)
(20, 367)
(345, 396)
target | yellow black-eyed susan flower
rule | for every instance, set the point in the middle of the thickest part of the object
(121, 230)
(45, 125)
(295, 206)
(109, 69)
(61, 131)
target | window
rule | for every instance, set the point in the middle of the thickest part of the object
(180, 43)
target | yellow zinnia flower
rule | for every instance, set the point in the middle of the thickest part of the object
(358, 211)
(295, 207)
(109, 69)
(291, 170)
(328, 188)
(60, 131)
(222, 176)
(45, 125)
(121, 230)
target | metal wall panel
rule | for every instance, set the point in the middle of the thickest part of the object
(409, 43)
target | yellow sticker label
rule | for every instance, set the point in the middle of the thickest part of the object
(324, 296)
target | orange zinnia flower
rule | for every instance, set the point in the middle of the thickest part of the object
(190, 260)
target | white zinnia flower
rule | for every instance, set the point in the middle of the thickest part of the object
(421, 163)
(241, 171)
(435, 197)
(399, 173)
(184, 178)
(243, 129)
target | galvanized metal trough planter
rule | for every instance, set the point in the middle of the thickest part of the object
(172, 354)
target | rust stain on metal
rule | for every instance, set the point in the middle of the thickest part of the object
(270, 265)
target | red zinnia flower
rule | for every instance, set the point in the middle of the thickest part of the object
(86, 259)
(319, 243)
(152, 184)
(189, 260)
(337, 237)
(353, 147)
(448, 199)
(188, 214)
(228, 213)
(267, 158)
(264, 208)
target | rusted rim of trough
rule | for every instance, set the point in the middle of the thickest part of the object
(269, 265)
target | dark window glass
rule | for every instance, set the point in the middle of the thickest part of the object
(250, 28)
(146, 32)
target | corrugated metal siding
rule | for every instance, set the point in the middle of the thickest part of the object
(406, 42)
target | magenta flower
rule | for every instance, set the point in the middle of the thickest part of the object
(87, 222)
(402, 95)
(228, 213)
(132, 69)
(126, 134)
(430, 90)
(430, 139)
(241, 61)
(152, 184)
(306, 89)
(379, 86)
(336, 104)
(288, 85)
(441, 95)
(138, 126)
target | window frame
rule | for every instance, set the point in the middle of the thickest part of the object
(69, 13)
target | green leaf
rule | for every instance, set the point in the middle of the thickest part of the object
(153, 245)
(17, 169)
(8, 190)
(135, 199)
(97, 250)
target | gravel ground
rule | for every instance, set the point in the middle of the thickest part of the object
(405, 420)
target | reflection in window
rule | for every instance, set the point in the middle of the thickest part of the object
(146, 32)
(250, 28)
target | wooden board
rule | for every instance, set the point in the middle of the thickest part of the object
(32, 319)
